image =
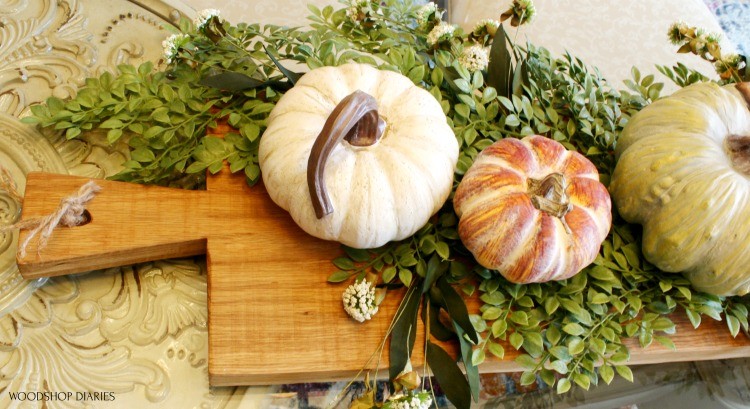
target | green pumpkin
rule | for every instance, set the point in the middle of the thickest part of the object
(683, 172)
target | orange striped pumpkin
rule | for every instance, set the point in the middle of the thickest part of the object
(532, 210)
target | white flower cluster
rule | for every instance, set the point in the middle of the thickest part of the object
(172, 45)
(419, 400)
(427, 13)
(203, 16)
(359, 300)
(474, 58)
(441, 32)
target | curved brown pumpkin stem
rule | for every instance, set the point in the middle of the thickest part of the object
(744, 89)
(738, 149)
(738, 146)
(548, 195)
(356, 120)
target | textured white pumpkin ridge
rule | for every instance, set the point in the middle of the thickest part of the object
(383, 192)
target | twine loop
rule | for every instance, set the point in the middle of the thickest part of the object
(70, 213)
(8, 185)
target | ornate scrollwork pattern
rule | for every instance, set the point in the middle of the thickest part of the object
(132, 331)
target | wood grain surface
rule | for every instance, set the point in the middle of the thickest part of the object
(273, 318)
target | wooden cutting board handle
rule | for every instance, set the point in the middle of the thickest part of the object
(128, 223)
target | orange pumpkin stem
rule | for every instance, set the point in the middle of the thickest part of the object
(356, 120)
(548, 195)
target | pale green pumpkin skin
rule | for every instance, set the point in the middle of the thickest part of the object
(675, 177)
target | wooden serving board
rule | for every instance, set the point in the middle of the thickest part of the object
(273, 318)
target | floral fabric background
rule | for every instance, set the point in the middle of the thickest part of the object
(734, 18)
(604, 36)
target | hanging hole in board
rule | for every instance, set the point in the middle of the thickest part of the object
(86, 218)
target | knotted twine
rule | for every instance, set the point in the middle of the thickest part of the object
(69, 213)
(9, 185)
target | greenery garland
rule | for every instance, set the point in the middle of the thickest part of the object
(569, 332)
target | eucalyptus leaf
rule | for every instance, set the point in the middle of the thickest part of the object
(500, 69)
(293, 77)
(520, 78)
(449, 376)
(470, 361)
(457, 308)
(404, 332)
(437, 329)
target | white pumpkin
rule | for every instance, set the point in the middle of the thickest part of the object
(683, 171)
(382, 167)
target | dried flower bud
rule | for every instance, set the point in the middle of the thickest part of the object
(735, 61)
(364, 401)
(696, 41)
(730, 66)
(520, 13)
(677, 32)
(407, 380)
(203, 17)
(486, 26)
(698, 44)
(210, 24)
(380, 294)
